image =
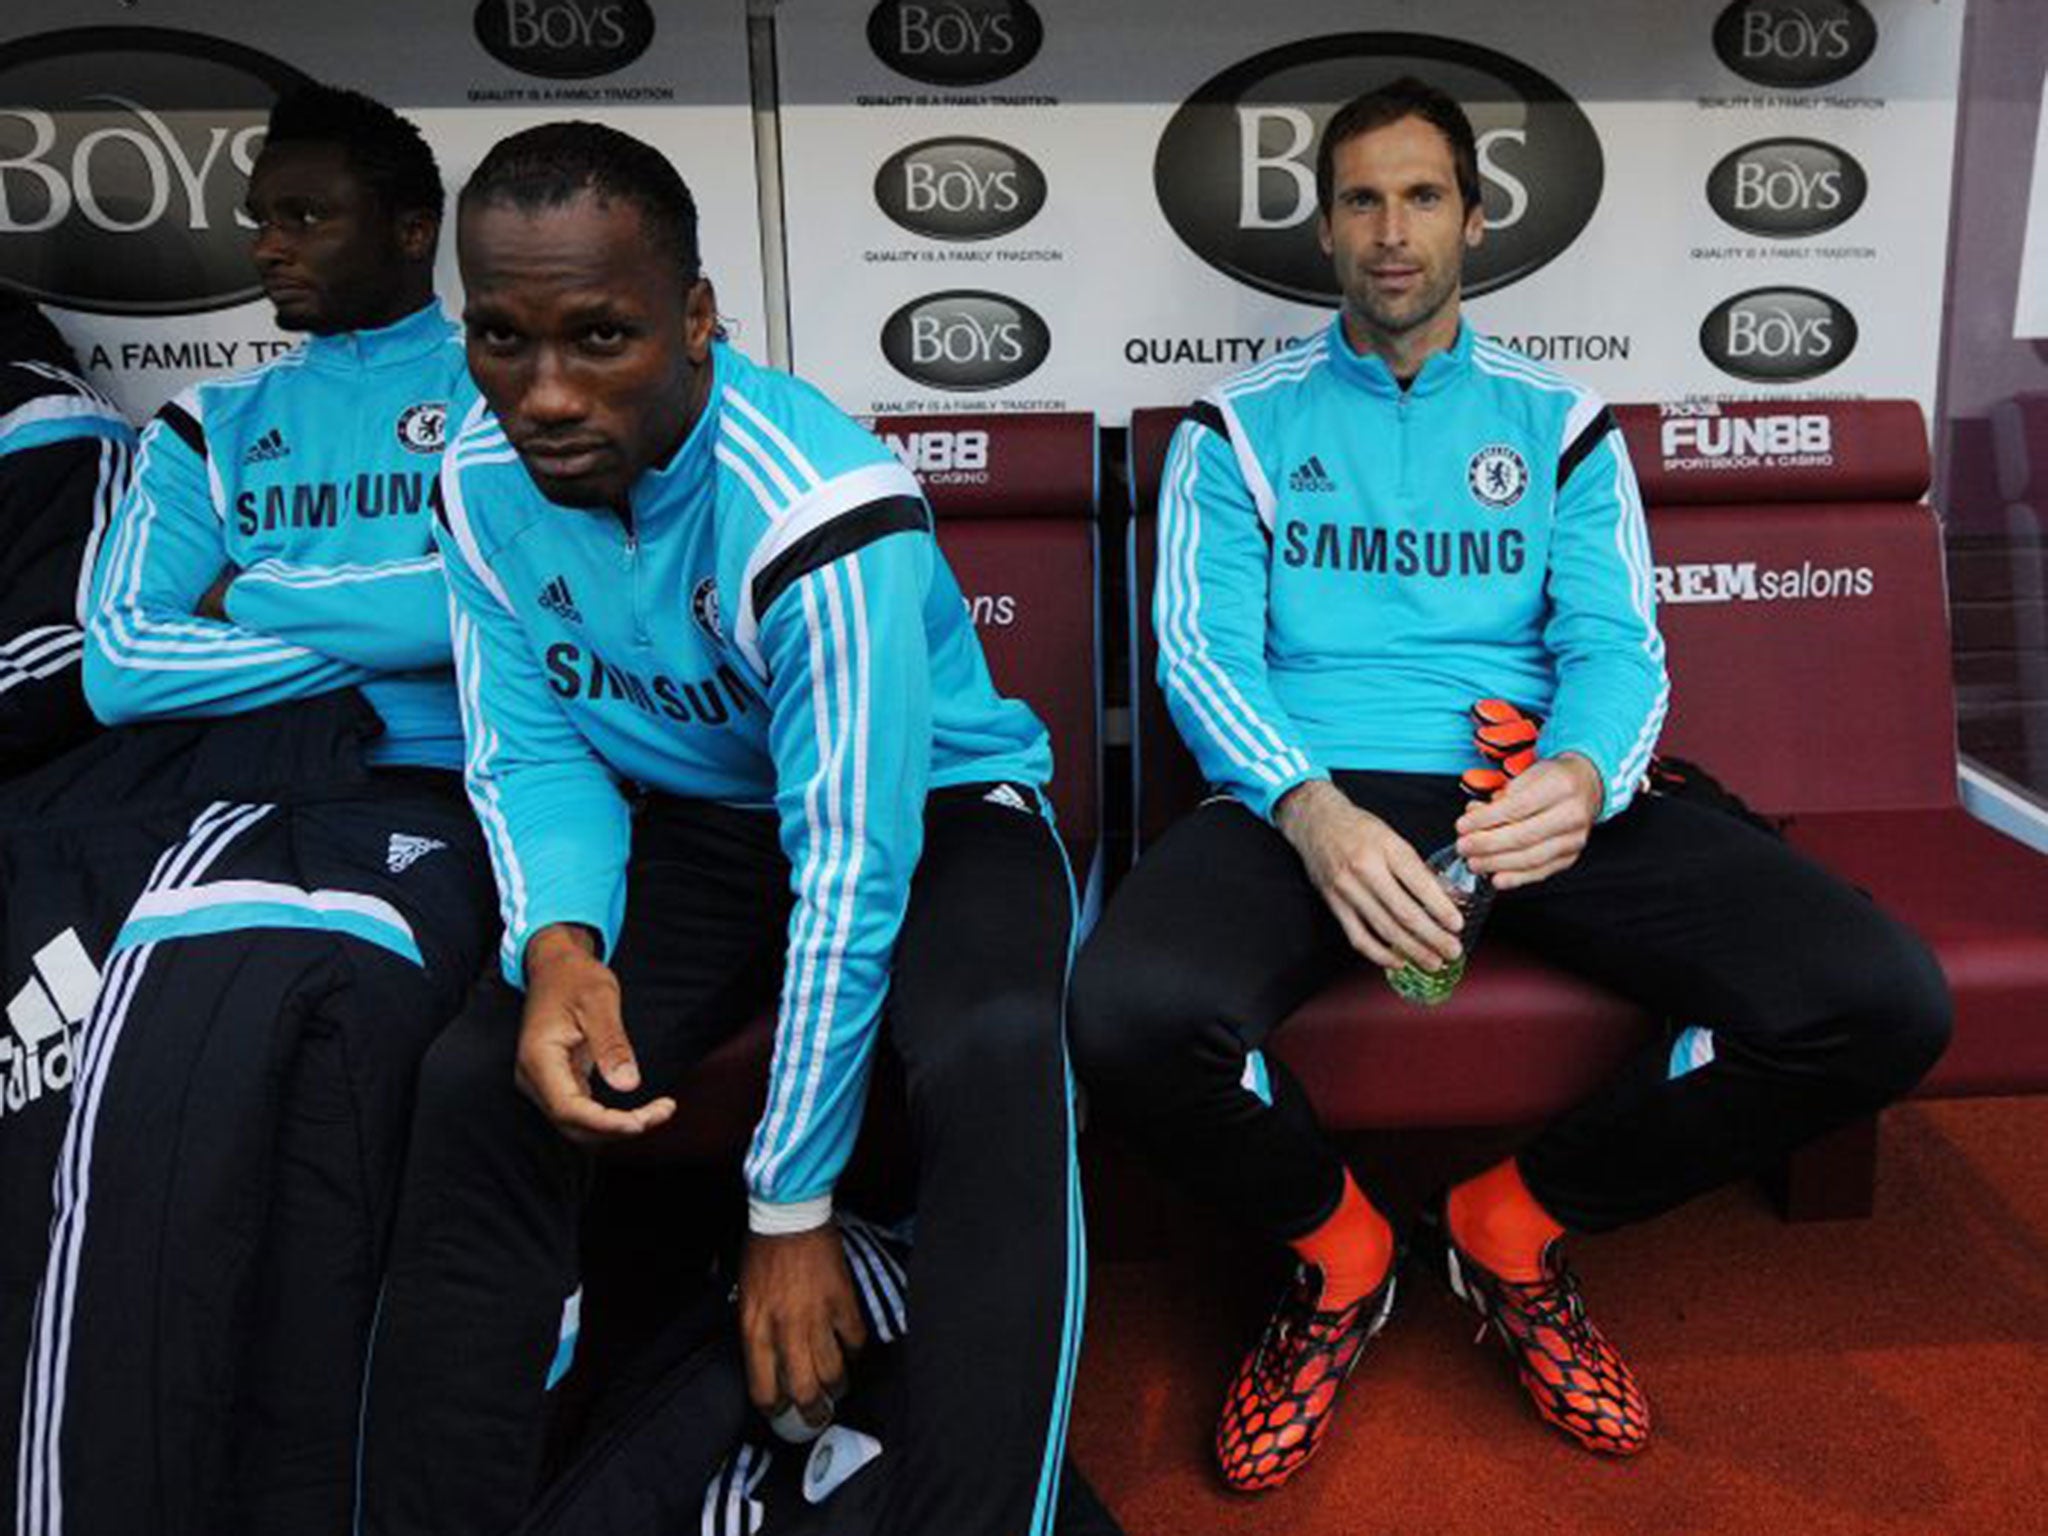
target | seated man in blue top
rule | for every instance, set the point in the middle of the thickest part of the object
(1359, 541)
(729, 726)
(240, 1109)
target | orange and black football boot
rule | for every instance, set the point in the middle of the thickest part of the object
(1573, 1375)
(1285, 1391)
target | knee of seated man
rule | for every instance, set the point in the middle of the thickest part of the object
(1902, 1013)
(469, 1067)
(991, 1042)
(1920, 1016)
(1129, 1014)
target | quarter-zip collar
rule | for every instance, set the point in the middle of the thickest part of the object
(1439, 371)
(402, 343)
(659, 493)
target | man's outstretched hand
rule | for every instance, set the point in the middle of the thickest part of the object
(572, 1023)
(799, 1322)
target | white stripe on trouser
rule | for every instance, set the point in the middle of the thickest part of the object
(39, 1488)
(729, 1506)
(31, 643)
(37, 1375)
(857, 1262)
(114, 462)
(45, 659)
(1046, 1509)
(880, 1280)
(192, 898)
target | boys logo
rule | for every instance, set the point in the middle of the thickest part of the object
(1235, 169)
(423, 428)
(1497, 475)
(1795, 44)
(964, 339)
(704, 609)
(565, 39)
(124, 155)
(956, 43)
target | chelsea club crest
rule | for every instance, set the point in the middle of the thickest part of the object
(1497, 475)
(704, 609)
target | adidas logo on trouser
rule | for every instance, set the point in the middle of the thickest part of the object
(36, 1056)
(407, 850)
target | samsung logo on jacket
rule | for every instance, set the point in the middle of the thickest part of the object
(314, 477)
(575, 672)
(324, 503)
(1403, 551)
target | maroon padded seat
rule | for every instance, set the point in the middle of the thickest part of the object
(1836, 712)
(1801, 596)
(1015, 501)
(1980, 900)
(1164, 779)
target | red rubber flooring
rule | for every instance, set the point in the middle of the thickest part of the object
(1888, 1375)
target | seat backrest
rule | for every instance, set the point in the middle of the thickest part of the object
(1015, 501)
(1800, 590)
(1800, 594)
(1164, 780)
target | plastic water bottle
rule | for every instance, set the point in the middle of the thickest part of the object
(1473, 893)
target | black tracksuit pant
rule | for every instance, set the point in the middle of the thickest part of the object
(224, 1188)
(1822, 1007)
(486, 1249)
(683, 1451)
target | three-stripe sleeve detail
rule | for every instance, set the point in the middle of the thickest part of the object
(483, 745)
(1218, 707)
(791, 523)
(1588, 438)
(844, 535)
(835, 803)
(133, 636)
(1632, 543)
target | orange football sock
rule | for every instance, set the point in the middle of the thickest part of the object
(1353, 1248)
(1495, 1219)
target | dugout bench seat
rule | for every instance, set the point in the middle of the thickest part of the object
(1801, 596)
